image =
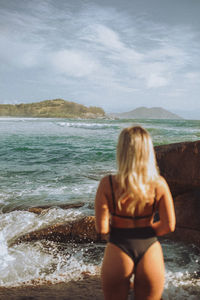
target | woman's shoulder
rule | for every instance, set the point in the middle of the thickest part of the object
(105, 180)
(161, 181)
(105, 186)
(108, 182)
(161, 185)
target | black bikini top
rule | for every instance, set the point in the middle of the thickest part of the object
(127, 217)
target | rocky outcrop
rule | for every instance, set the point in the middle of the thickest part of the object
(81, 230)
(59, 232)
(40, 209)
(187, 207)
(179, 163)
(84, 229)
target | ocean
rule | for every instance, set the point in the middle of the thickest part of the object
(60, 161)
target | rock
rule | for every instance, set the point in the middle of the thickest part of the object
(186, 235)
(179, 163)
(81, 230)
(187, 207)
(58, 233)
(84, 229)
(40, 209)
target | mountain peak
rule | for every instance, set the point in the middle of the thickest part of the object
(143, 112)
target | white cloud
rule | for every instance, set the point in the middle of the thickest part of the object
(109, 52)
(108, 37)
(154, 66)
(73, 63)
(175, 93)
(156, 80)
(193, 76)
(20, 54)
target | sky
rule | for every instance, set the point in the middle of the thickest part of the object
(115, 54)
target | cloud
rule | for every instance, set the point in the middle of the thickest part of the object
(19, 54)
(176, 93)
(135, 64)
(193, 77)
(128, 65)
(156, 80)
(87, 50)
(73, 63)
(108, 38)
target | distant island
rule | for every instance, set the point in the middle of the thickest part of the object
(147, 113)
(57, 108)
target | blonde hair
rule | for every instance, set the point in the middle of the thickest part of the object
(137, 168)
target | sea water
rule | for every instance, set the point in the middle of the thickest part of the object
(60, 161)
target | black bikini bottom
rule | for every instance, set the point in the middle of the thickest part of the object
(133, 241)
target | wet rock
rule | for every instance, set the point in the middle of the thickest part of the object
(84, 229)
(187, 207)
(186, 235)
(179, 163)
(40, 209)
(81, 230)
(58, 233)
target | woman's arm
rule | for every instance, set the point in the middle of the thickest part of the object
(101, 208)
(167, 220)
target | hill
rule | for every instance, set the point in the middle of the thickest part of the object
(57, 108)
(147, 113)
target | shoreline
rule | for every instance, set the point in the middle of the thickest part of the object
(86, 288)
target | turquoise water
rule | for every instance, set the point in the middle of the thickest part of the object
(56, 161)
(44, 161)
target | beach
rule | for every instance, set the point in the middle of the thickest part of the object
(56, 164)
(87, 288)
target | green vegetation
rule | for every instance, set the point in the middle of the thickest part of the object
(57, 108)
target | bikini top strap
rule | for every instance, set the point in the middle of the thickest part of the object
(113, 195)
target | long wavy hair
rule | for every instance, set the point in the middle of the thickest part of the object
(137, 167)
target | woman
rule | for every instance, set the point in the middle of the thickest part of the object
(125, 205)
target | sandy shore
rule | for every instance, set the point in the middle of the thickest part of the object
(87, 288)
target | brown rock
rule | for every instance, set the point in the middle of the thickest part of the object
(186, 235)
(58, 232)
(84, 229)
(81, 230)
(179, 163)
(40, 209)
(187, 207)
